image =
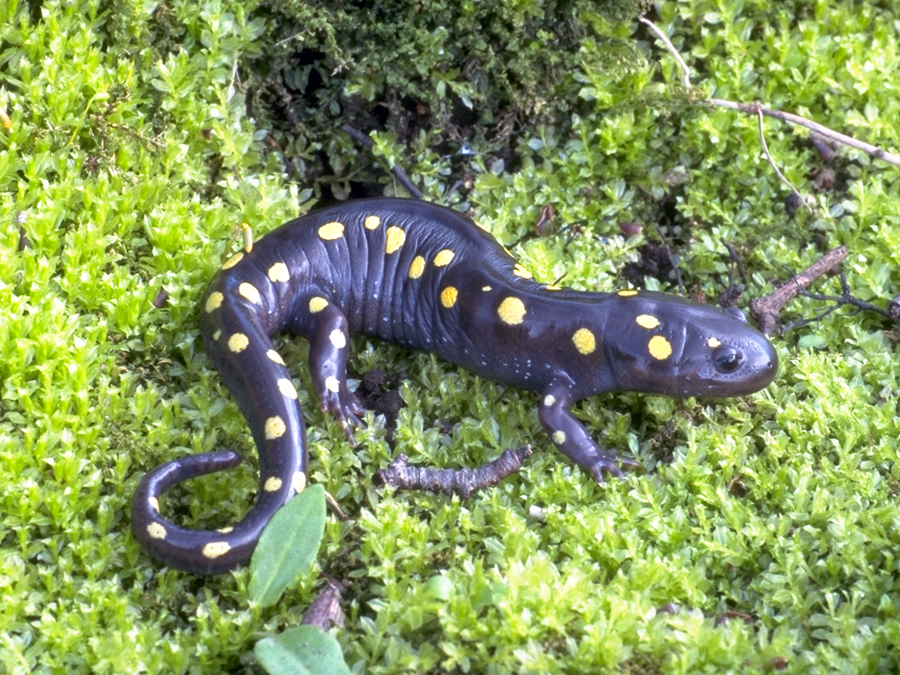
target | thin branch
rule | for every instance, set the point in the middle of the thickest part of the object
(399, 173)
(765, 147)
(756, 109)
(685, 73)
(846, 298)
(752, 108)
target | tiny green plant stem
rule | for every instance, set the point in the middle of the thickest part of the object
(100, 95)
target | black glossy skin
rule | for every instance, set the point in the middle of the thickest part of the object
(445, 286)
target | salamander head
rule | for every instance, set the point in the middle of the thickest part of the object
(676, 347)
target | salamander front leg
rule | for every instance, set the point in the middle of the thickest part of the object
(570, 436)
(328, 352)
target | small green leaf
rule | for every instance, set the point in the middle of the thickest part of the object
(301, 650)
(288, 545)
(809, 342)
(440, 587)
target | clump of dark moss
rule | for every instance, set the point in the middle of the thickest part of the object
(458, 75)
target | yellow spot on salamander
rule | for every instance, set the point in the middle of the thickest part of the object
(395, 239)
(584, 340)
(443, 257)
(275, 357)
(217, 334)
(238, 342)
(448, 297)
(156, 531)
(627, 293)
(646, 321)
(248, 237)
(287, 388)
(486, 288)
(214, 301)
(511, 311)
(372, 222)
(416, 267)
(275, 428)
(332, 384)
(317, 304)
(216, 549)
(712, 343)
(559, 437)
(298, 482)
(279, 272)
(549, 400)
(153, 502)
(273, 484)
(337, 338)
(520, 271)
(552, 287)
(225, 530)
(249, 291)
(233, 260)
(331, 231)
(659, 348)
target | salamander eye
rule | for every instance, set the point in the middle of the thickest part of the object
(727, 359)
(736, 313)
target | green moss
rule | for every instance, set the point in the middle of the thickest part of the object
(769, 521)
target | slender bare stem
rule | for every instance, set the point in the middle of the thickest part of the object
(762, 140)
(685, 73)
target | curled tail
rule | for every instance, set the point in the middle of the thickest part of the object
(232, 321)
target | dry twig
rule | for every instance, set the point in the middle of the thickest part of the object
(462, 482)
(325, 611)
(766, 310)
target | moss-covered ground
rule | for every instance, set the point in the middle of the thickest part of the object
(763, 534)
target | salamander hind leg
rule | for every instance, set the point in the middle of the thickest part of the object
(570, 436)
(328, 353)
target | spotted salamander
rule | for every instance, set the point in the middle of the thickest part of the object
(428, 278)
